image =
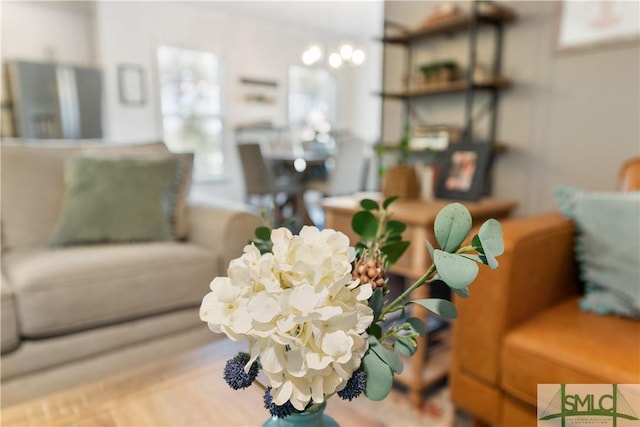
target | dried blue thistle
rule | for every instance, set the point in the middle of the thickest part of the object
(235, 375)
(275, 410)
(355, 386)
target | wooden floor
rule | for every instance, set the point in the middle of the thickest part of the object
(186, 390)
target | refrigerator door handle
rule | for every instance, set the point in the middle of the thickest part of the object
(68, 98)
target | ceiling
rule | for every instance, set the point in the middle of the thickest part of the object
(354, 18)
(361, 19)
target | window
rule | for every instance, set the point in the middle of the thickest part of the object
(312, 103)
(190, 97)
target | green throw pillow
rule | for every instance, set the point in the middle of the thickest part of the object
(607, 248)
(117, 199)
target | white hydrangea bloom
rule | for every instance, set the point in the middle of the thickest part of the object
(300, 310)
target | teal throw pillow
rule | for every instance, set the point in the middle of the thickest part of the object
(607, 248)
(117, 199)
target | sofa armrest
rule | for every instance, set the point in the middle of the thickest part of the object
(225, 230)
(536, 271)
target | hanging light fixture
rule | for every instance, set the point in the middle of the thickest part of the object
(312, 55)
(346, 54)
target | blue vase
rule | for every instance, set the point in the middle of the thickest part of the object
(312, 417)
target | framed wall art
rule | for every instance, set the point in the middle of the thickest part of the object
(131, 85)
(463, 171)
(599, 23)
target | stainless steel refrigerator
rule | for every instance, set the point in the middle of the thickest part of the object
(55, 101)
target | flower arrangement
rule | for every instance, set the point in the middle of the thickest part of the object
(317, 313)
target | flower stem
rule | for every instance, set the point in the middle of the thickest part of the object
(260, 385)
(399, 301)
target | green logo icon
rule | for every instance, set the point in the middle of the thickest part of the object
(564, 405)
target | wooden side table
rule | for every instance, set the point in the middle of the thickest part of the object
(425, 367)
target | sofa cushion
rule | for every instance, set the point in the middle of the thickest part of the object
(117, 199)
(37, 355)
(9, 339)
(185, 170)
(565, 345)
(63, 290)
(33, 185)
(607, 248)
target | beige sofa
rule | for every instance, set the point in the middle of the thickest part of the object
(76, 313)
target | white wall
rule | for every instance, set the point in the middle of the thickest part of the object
(111, 33)
(48, 31)
(129, 32)
(569, 119)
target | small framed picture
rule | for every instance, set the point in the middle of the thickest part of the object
(131, 85)
(586, 25)
(463, 172)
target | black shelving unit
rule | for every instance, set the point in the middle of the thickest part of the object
(483, 13)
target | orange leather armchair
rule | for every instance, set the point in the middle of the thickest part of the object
(523, 325)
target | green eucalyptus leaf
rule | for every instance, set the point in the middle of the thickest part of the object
(392, 239)
(490, 235)
(390, 357)
(393, 251)
(441, 307)
(361, 245)
(462, 292)
(263, 233)
(475, 257)
(429, 247)
(418, 325)
(370, 205)
(375, 330)
(477, 244)
(379, 377)
(452, 225)
(406, 346)
(365, 224)
(395, 228)
(456, 270)
(375, 302)
(388, 201)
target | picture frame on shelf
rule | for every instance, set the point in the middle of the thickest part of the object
(436, 138)
(583, 26)
(463, 171)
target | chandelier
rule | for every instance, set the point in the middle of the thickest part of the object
(346, 54)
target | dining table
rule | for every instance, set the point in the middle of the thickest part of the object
(302, 166)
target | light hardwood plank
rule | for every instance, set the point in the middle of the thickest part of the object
(186, 390)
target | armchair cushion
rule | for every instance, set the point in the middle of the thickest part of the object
(121, 199)
(570, 346)
(607, 248)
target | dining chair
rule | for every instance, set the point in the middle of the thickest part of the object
(265, 190)
(347, 173)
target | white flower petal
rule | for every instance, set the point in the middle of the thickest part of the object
(283, 393)
(263, 308)
(295, 364)
(317, 389)
(303, 298)
(336, 343)
(272, 359)
(364, 292)
(317, 361)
